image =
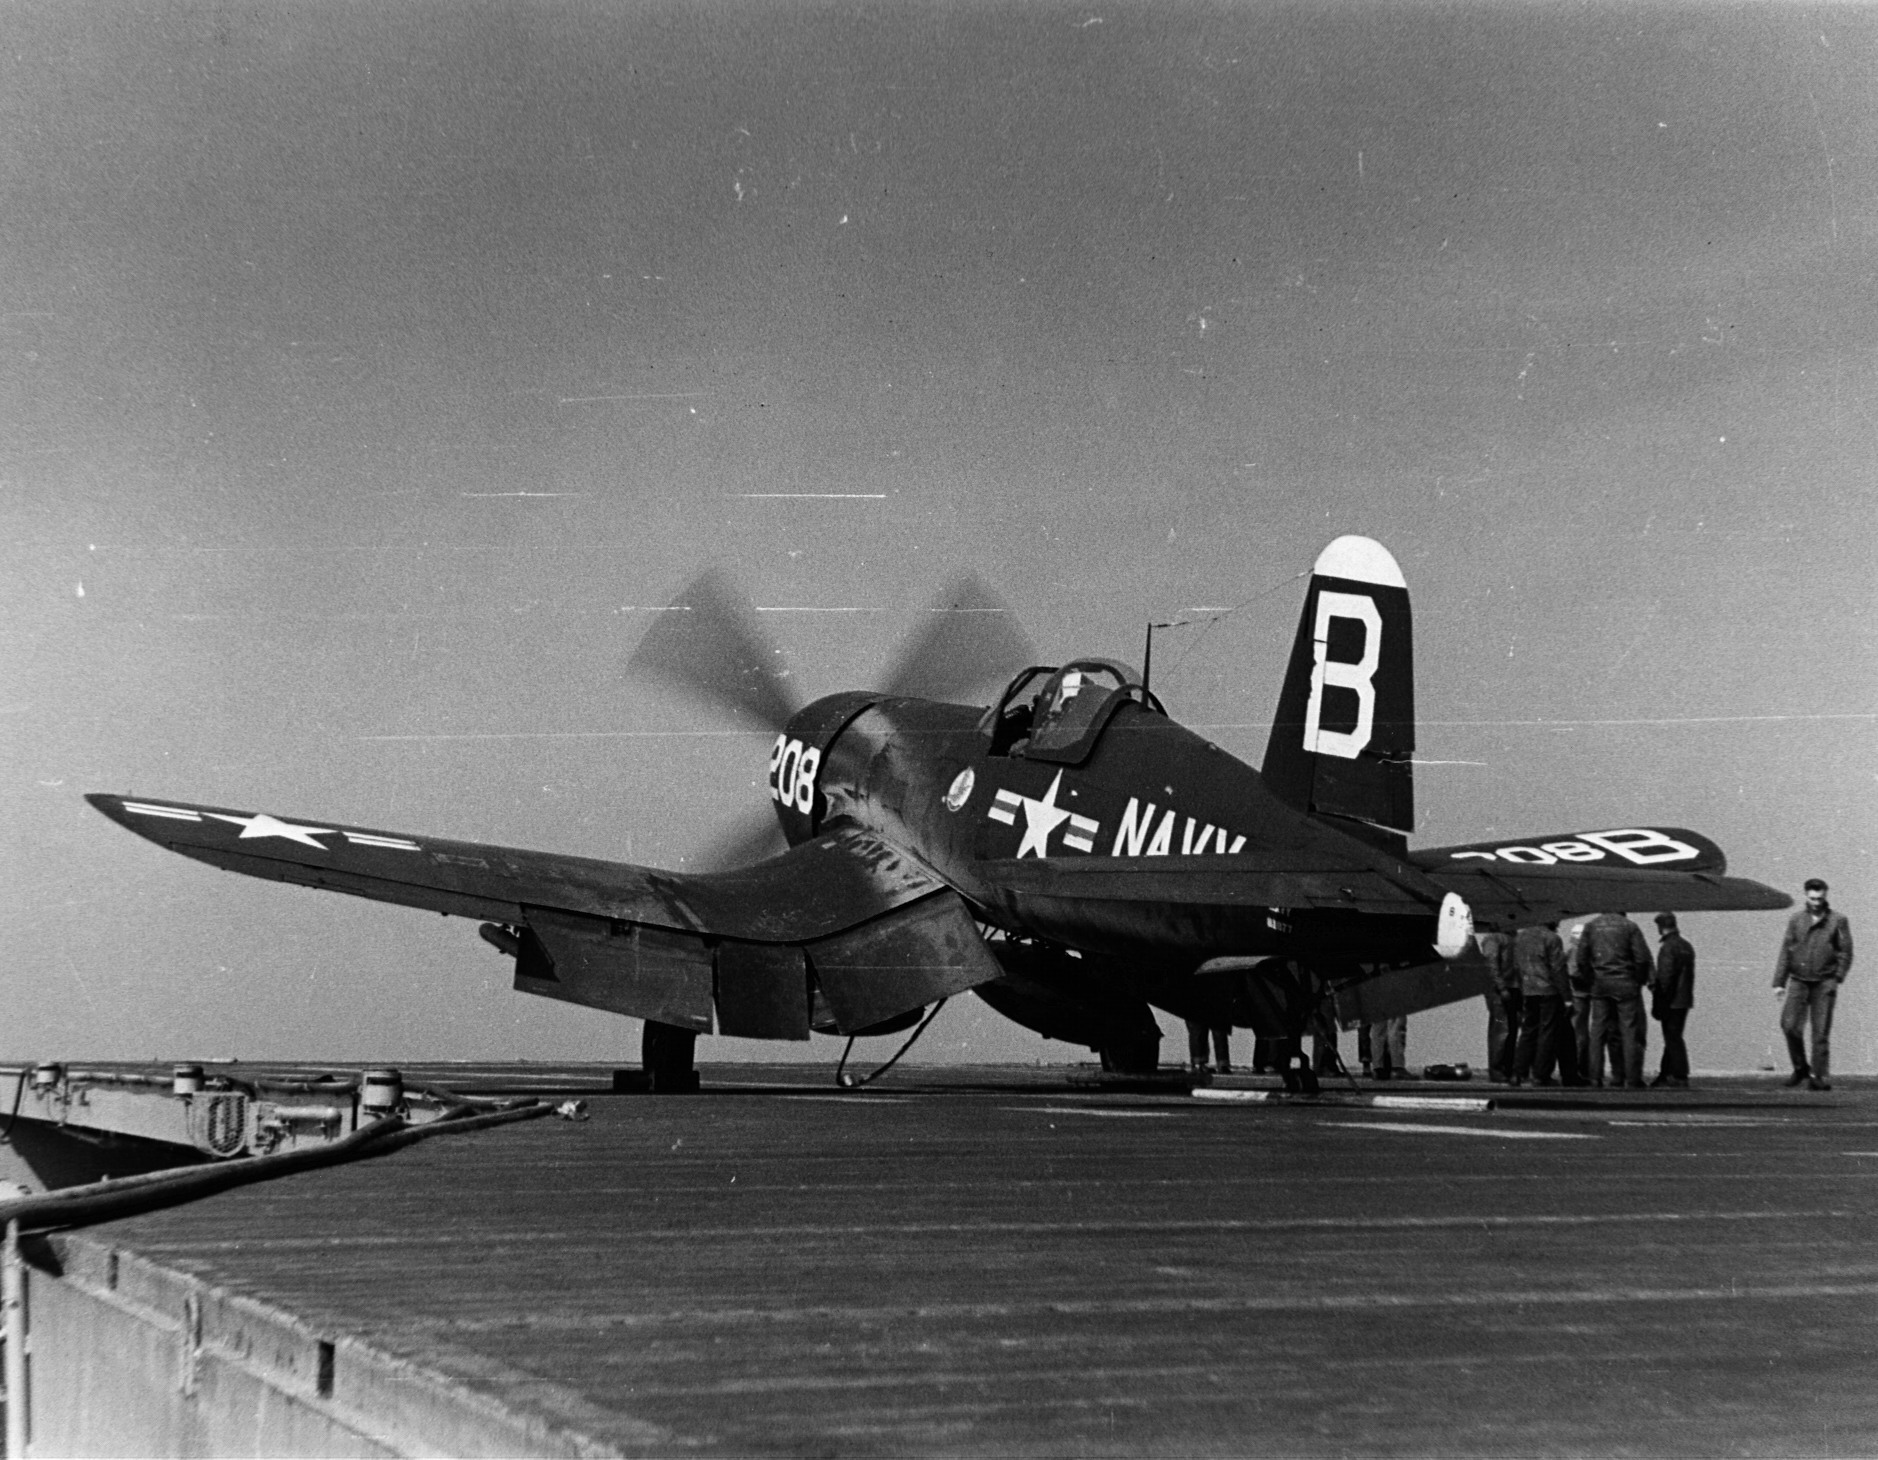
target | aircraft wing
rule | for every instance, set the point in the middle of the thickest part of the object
(1626, 869)
(881, 934)
(1277, 877)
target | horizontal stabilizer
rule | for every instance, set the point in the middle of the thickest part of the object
(1624, 869)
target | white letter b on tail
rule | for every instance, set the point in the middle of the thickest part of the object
(1358, 677)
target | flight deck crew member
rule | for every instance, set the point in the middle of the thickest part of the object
(1197, 1032)
(1591, 1062)
(1503, 1005)
(1815, 957)
(1612, 951)
(1388, 1048)
(1545, 996)
(1326, 1058)
(1672, 996)
(1581, 1009)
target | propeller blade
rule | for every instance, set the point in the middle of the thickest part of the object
(970, 638)
(710, 645)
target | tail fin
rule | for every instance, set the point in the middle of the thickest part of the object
(1345, 729)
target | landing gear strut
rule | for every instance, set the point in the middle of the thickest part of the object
(1287, 999)
(665, 1051)
(1131, 1053)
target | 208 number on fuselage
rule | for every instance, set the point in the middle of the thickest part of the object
(792, 770)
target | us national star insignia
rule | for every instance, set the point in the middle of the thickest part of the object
(1040, 819)
(261, 824)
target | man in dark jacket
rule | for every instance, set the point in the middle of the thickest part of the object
(1815, 957)
(1612, 953)
(1503, 1005)
(1672, 996)
(1545, 1034)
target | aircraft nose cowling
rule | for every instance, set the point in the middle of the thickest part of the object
(799, 756)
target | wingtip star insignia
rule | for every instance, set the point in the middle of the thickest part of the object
(261, 824)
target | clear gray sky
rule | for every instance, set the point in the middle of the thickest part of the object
(368, 371)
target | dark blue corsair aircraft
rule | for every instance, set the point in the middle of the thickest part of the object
(1070, 853)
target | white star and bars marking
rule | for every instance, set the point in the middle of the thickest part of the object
(1149, 831)
(261, 824)
(1041, 817)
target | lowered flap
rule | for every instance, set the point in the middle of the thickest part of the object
(647, 973)
(762, 991)
(908, 959)
(1231, 881)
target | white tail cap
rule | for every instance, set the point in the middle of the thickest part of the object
(1362, 560)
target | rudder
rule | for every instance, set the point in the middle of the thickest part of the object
(1344, 733)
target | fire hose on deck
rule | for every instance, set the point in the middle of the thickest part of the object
(104, 1201)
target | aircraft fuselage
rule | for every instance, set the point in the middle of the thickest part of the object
(1151, 795)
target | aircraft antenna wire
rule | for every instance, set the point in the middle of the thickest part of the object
(1208, 620)
(854, 1082)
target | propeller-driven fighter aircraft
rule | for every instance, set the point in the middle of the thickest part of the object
(1070, 852)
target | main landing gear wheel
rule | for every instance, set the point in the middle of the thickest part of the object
(666, 1051)
(1300, 1078)
(1131, 1054)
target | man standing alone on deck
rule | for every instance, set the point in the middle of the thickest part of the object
(1815, 957)
(1612, 953)
(1672, 996)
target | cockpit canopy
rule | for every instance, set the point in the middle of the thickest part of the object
(1057, 714)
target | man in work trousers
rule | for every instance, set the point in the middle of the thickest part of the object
(1388, 1048)
(1197, 1032)
(1672, 996)
(1503, 1005)
(1545, 993)
(1590, 1072)
(1815, 957)
(1612, 952)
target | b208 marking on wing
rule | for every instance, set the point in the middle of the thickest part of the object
(1640, 845)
